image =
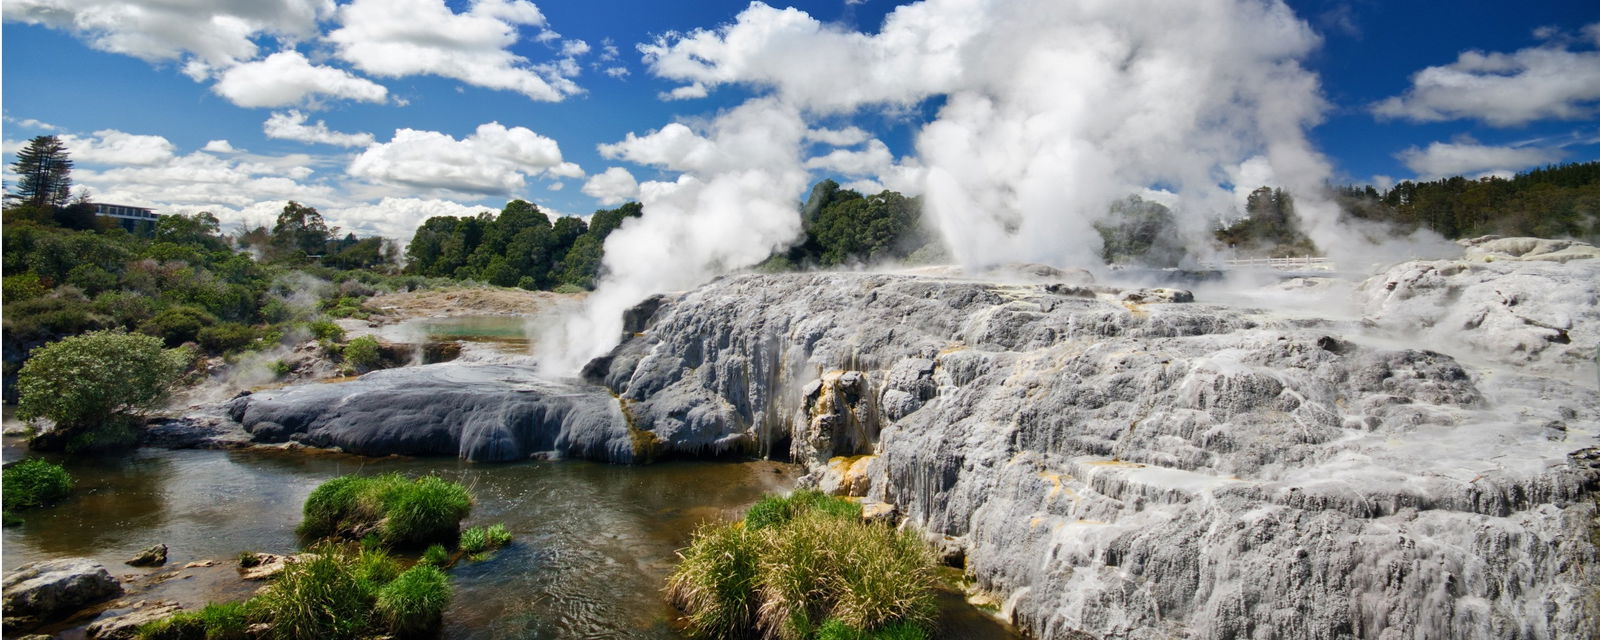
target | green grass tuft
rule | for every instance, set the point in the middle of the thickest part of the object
(217, 621)
(413, 604)
(34, 483)
(398, 511)
(436, 555)
(479, 539)
(817, 570)
(319, 598)
(716, 581)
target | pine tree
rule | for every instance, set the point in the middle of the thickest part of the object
(44, 173)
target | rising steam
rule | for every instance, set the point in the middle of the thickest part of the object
(1052, 110)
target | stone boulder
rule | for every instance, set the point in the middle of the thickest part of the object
(153, 556)
(124, 624)
(50, 590)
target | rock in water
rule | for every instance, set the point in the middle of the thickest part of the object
(40, 592)
(154, 556)
(1128, 466)
(475, 411)
(125, 626)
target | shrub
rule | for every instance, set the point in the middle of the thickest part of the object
(568, 288)
(803, 567)
(400, 511)
(225, 337)
(362, 352)
(178, 324)
(33, 483)
(413, 604)
(91, 385)
(23, 286)
(325, 330)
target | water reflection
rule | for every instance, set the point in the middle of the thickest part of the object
(592, 543)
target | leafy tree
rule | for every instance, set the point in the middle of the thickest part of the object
(91, 384)
(1141, 232)
(44, 173)
(300, 227)
(201, 230)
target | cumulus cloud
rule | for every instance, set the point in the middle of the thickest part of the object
(846, 137)
(213, 33)
(871, 161)
(617, 72)
(686, 92)
(112, 147)
(675, 147)
(394, 217)
(287, 78)
(1441, 159)
(291, 125)
(219, 146)
(394, 38)
(494, 160)
(613, 187)
(1503, 89)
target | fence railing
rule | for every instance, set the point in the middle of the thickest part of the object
(1307, 262)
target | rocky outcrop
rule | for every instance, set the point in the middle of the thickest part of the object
(1130, 465)
(477, 412)
(1536, 307)
(124, 624)
(44, 591)
(152, 556)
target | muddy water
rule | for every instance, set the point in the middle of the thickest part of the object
(592, 543)
(501, 334)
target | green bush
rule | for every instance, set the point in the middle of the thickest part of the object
(400, 512)
(91, 385)
(325, 330)
(33, 483)
(226, 337)
(23, 286)
(178, 324)
(413, 604)
(362, 353)
(569, 288)
(804, 567)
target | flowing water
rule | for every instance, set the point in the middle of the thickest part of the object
(592, 542)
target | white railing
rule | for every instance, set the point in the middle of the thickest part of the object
(1288, 264)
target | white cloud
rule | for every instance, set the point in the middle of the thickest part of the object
(287, 78)
(219, 146)
(30, 123)
(1443, 159)
(494, 160)
(686, 92)
(568, 170)
(674, 146)
(871, 161)
(617, 72)
(394, 217)
(395, 38)
(214, 33)
(1501, 89)
(556, 186)
(291, 125)
(846, 137)
(112, 147)
(574, 48)
(613, 187)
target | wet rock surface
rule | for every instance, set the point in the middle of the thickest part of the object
(477, 412)
(45, 591)
(1126, 464)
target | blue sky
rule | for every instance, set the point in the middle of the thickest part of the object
(310, 96)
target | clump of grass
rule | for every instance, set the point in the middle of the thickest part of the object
(436, 555)
(715, 582)
(479, 539)
(217, 621)
(802, 567)
(34, 483)
(413, 604)
(336, 594)
(249, 559)
(398, 511)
